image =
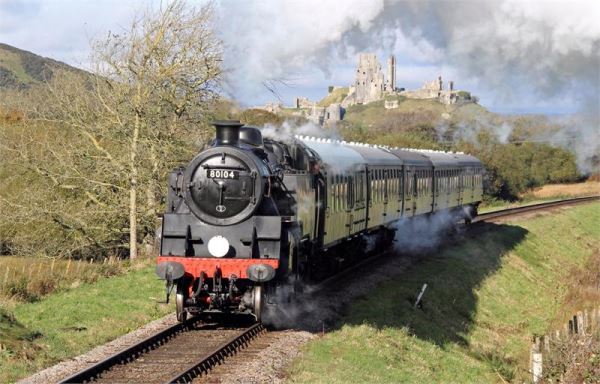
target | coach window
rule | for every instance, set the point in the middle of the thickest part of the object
(338, 197)
(446, 180)
(331, 198)
(341, 193)
(376, 191)
(350, 197)
(374, 186)
(381, 186)
(344, 195)
(372, 177)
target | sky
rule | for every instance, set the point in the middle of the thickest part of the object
(516, 56)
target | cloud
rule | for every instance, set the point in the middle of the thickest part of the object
(517, 52)
(62, 29)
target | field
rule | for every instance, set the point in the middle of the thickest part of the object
(588, 188)
(546, 193)
(71, 321)
(485, 301)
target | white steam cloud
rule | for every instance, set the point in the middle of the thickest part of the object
(512, 49)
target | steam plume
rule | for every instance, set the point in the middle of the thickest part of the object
(514, 50)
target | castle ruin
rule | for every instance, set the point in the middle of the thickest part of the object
(434, 89)
(370, 84)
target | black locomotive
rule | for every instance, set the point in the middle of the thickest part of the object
(250, 213)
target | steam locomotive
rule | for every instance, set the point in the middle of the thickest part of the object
(250, 214)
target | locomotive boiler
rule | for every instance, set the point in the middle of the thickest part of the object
(251, 214)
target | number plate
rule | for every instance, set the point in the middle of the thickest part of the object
(222, 174)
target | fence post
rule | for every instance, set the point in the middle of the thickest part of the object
(68, 266)
(6, 276)
(580, 325)
(536, 361)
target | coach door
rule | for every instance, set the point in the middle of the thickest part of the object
(358, 219)
(410, 200)
(386, 187)
(400, 192)
(460, 185)
(392, 196)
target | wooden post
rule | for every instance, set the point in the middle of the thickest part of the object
(6, 276)
(68, 266)
(536, 361)
(580, 326)
(52, 266)
(546, 343)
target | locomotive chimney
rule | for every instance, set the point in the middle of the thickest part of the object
(228, 132)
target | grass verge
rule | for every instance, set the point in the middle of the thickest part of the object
(547, 193)
(31, 278)
(68, 323)
(486, 298)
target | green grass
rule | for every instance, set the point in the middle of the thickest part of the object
(486, 298)
(68, 323)
(336, 96)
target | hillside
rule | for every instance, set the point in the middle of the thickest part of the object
(22, 69)
(486, 298)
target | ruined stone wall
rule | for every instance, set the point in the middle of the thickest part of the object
(390, 82)
(369, 82)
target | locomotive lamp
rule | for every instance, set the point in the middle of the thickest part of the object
(218, 246)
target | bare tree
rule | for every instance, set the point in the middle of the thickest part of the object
(130, 122)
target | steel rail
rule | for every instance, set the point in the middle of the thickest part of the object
(129, 354)
(187, 374)
(533, 207)
(228, 348)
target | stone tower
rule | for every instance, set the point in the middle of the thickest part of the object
(390, 82)
(369, 83)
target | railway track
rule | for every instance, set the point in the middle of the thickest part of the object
(484, 217)
(178, 354)
(503, 213)
(186, 352)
